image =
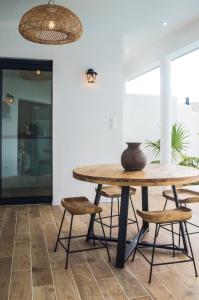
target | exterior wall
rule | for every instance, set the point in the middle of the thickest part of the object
(142, 121)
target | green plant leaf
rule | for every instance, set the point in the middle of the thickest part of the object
(179, 142)
(190, 161)
(155, 146)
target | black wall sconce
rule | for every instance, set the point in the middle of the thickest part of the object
(9, 99)
(91, 76)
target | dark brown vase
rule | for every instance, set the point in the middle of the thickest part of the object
(133, 158)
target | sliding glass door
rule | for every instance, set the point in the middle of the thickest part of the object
(26, 131)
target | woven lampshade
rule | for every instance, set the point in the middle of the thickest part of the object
(50, 24)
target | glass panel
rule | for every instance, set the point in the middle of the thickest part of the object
(26, 133)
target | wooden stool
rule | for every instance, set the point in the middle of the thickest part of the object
(115, 192)
(185, 197)
(79, 206)
(180, 215)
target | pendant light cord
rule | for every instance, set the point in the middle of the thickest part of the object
(51, 2)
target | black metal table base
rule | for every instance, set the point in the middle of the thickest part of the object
(124, 247)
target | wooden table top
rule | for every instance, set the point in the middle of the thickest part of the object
(151, 175)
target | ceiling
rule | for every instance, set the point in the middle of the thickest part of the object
(141, 21)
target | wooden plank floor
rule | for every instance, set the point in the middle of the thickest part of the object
(29, 269)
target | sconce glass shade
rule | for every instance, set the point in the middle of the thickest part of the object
(91, 76)
(50, 24)
(9, 99)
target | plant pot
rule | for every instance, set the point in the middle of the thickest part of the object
(133, 158)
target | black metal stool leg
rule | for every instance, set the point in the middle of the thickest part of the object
(134, 212)
(69, 238)
(118, 208)
(165, 204)
(135, 250)
(194, 264)
(181, 224)
(103, 231)
(59, 231)
(179, 237)
(93, 237)
(111, 218)
(173, 241)
(153, 252)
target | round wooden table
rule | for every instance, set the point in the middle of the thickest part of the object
(152, 175)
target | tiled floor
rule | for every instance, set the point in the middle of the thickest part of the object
(29, 269)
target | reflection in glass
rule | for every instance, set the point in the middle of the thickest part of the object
(26, 134)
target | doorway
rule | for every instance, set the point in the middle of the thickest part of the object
(26, 131)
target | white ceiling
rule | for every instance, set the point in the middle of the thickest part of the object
(140, 20)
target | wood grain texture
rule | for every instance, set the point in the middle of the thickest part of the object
(8, 233)
(36, 229)
(92, 276)
(111, 289)
(141, 298)
(21, 286)
(173, 279)
(156, 289)
(184, 196)
(64, 283)
(21, 257)
(2, 214)
(86, 284)
(44, 293)
(179, 214)
(49, 227)
(114, 191)
(5, 273)
(41, 271)
(22, 226)
(129, 283)
(152, 175)
(100, 269)
(80, 206)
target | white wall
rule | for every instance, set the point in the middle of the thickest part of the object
(195, 106)
(142, 119)
(81, 112)
(190, 120)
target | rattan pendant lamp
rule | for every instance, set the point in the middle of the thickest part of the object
(50, 24)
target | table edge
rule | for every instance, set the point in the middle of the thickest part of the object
(137, 182)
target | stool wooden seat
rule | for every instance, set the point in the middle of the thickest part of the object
(179, 214)
(184, 196)
(111, 191)
(80, 206)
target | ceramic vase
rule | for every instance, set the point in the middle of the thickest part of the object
(133, 158)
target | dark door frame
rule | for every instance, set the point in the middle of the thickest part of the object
(24, 64)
